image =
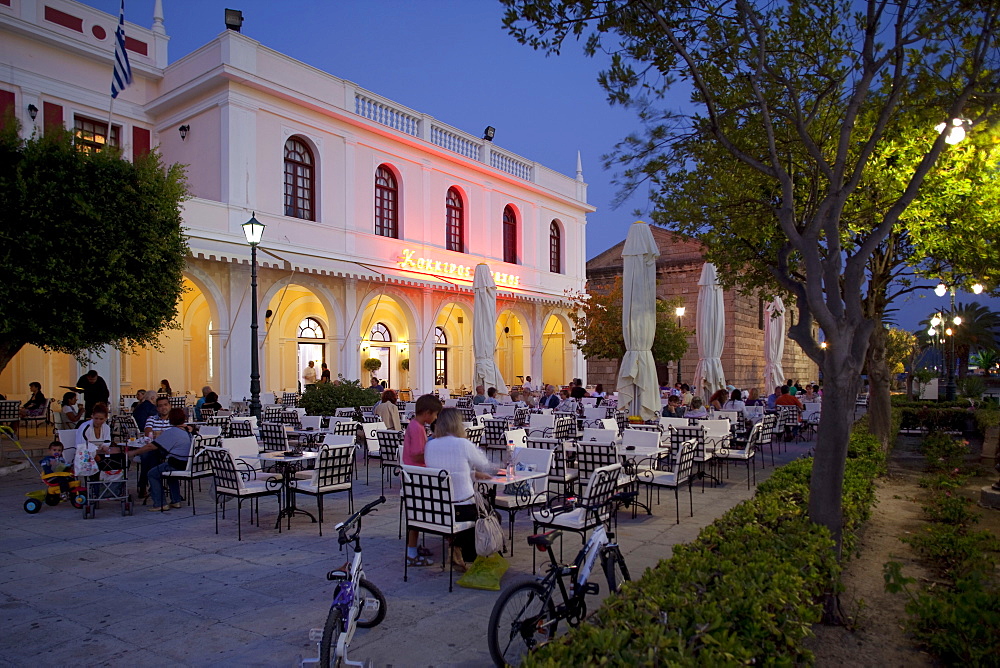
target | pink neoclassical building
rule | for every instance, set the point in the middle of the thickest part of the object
(376, 214)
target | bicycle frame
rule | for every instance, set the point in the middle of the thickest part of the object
(345, 595)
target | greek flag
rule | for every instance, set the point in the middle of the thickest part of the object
(122, 76)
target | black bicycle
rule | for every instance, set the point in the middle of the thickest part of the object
(527, 613)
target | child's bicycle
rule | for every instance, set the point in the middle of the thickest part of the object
(356, 601)
(527, 613)
(51, 495)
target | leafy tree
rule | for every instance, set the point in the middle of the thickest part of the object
(597, 326)
(81, 234)
(792, 103)
(900, 349)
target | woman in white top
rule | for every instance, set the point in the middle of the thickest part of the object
(735, 402)
(451, 451)
(71, 412)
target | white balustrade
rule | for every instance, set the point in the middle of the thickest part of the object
(382, 112)
(510, 164)
(470, 148)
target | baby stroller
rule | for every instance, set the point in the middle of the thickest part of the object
(51, 495)
(109, 484)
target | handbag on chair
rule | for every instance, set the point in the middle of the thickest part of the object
(489, 536)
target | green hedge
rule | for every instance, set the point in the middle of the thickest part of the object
(935, 418)
(747, 590)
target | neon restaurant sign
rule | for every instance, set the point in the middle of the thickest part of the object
(409, 260)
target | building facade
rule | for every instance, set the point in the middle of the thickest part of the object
(376, 215)
(677, 272)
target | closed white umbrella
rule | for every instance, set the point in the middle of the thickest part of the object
(637, 384)
(711, 333)
(484, 331)
(774, 345)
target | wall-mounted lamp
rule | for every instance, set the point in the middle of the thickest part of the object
(489, 133)
(234, 19)
(32, 111)
(184, 130)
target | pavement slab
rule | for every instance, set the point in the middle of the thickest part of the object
(159, 589)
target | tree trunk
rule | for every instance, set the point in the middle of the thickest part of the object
(7, 351)
(879, 406)
(826, 485)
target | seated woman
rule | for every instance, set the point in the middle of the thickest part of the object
(754, 398)
(165, 388)
(515, 399)
(567, 404)
(735, 402)
(697, 409)
(212, 402)
(388, 411)
(72, 413)
(718, 398)
(36, 404)
(451, 451)
(673, 407)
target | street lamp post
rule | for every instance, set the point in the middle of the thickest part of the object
(679, 311)
(254, 230)
(940, 291)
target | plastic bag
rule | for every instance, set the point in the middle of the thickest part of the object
(84, 463)
(485, 573)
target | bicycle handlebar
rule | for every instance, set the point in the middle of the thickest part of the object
(343, 526)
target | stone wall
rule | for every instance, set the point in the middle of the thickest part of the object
(677, 272)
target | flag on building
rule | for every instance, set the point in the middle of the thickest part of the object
(122, 77)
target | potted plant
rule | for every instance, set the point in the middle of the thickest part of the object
(372, 364)
(404, 364)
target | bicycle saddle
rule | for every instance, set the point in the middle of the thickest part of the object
(544, 539)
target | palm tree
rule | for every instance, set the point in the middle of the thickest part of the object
(986, 359)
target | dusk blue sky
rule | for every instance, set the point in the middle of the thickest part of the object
(453, 60)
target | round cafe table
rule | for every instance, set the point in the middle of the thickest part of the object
(286, 466)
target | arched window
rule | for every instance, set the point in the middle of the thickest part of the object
(300, 187)
(386, 203)
(509, 235)
(310, 329)
(455, 221)
(381, 333)
(555, 248)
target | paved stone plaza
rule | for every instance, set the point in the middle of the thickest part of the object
(163, 589)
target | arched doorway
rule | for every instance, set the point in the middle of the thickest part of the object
(453, 346)
(385, 327)
(298, 327)
(511, 350)
(554, 341)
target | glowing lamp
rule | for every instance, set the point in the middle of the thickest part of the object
(253, 230)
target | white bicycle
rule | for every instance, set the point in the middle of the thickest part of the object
(356, 601)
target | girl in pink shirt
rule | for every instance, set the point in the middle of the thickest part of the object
(414, 441)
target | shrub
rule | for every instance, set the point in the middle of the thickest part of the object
(933, 418)
(971, 387)
(987, 416)
(943, 452)
(747, 590)
(326, 398)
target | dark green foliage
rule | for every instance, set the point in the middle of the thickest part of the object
(326, 398)
(81, 235)
(747, 590)
(933, 418)
(943, 452)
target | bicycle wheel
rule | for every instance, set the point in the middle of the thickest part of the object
(372, 610)
(522, 619)
(615, 569)
(331, 633)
